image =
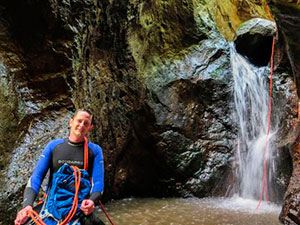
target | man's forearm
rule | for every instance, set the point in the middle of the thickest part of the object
(29, 197)
(95, 196)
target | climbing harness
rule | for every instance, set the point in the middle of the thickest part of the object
(265, 165)
(70, 177)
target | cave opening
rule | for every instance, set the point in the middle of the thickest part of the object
(254, 40)
(255, 47)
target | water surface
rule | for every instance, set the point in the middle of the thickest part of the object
(178, 211)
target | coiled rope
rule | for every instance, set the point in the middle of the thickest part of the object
(77, 176)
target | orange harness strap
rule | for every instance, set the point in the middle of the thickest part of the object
(86, 154)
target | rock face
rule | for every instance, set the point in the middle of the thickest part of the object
(157, 77)
(154, 111)
(228, 15)
(35, 62)
(287, 17)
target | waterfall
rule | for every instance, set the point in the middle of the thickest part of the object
(251, 98)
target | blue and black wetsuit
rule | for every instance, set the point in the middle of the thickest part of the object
(61, 151)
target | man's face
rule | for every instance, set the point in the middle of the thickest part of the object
(80, 125)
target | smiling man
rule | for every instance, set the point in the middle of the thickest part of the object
(71, 152)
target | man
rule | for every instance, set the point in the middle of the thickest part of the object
(70, 151)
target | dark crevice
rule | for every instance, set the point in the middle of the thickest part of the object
(255, 47)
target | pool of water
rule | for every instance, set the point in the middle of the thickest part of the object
(178, 211)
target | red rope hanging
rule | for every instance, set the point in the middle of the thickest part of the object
(265, 174)
(106, 214)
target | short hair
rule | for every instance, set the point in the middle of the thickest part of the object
(84, 110)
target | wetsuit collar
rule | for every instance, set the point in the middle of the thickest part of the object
(75, 143)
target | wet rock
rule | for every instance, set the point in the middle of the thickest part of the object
(288, 29)
(10, 115)
(25, 155)
(290, 210)
(228, 15)
(287, 17)
(210, 178)
(164, 29)
(180, 154)
(35, 55)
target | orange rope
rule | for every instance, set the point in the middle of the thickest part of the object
(77, 174)
(75, 201)
(35, 217)
(265, 175)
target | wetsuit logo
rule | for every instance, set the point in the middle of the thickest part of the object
(70, 162)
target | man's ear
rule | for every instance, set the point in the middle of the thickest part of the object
(70, 122)
(91, 127)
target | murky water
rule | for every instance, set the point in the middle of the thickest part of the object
(178, 211)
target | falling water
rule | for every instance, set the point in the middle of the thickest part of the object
(251, 97)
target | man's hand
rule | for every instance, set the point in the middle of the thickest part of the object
(87, 206)
(22, 215)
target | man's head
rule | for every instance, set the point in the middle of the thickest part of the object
(80, 125)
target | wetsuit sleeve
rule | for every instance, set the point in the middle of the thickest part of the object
(36, 179)
(97, 174)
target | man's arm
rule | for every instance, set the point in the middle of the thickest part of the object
(22, 215)
(34, 183)
(97, 174)
(88, 205)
